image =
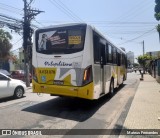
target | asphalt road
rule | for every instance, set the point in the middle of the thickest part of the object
(47, 112)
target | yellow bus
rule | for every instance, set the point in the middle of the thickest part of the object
(75, 60)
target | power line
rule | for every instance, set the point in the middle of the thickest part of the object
(131, 12)
(9, 10)
(70, 11)
(137, 37)
(128, 11)
(108, 22)
(17, 41)
(10, 6)
(15, 44)
(143, 9)
(38, 22)
(64, 10)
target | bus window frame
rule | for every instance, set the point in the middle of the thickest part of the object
(96, 48)
(109, 61)
(119, 58)
(114, 57)
(45, 30)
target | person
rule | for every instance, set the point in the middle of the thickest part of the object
(42, 45)
(140, 70)
(135, 70)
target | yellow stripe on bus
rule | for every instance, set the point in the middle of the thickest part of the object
(81, 92)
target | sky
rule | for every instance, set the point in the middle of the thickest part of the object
(125, 23)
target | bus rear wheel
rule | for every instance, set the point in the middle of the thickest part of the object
(111, 88)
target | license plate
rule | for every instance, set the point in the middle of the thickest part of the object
(58, 82)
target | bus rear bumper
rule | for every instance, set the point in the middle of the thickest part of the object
(86, 92)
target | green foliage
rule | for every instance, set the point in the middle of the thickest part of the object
(158, 27)
(142, 60)
(5, 44)
(5, 35)
(157, 1)
(135, 65)
(157, 10)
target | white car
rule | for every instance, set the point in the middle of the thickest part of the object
(11, 87)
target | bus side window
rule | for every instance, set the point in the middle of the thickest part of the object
(109, 54)
(96, 49)
(114, 55)
(126, 61)
(122, 59)
(118, 59)
(106, 53)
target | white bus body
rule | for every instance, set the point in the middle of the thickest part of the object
(76, 60)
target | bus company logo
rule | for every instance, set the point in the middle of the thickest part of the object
(43, 78)
(59, 64)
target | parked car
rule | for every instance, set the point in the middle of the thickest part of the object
(11, 87)
(5, 72)
(20, 75)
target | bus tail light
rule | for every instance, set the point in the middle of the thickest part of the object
(34, 74)
(87, 76)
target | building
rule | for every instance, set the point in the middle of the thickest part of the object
(21, 59)
(21, 55)
(130, 58)
(154, 54)
(154, 67)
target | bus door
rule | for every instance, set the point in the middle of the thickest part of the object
(119, 68)
(102, 64)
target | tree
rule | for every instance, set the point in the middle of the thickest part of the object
(157, 14)
(135, 65)
(5, 44)
(157, 10)
(142, 60)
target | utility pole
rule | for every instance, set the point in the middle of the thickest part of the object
(143, 55)
(29, 14)
(143, 47)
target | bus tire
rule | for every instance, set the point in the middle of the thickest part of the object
(123, 80)
(111, 88)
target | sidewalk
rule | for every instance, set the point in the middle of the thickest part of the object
(144, 112)
(28, 88)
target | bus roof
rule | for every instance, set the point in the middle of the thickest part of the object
(107, 39)
(62, 25)
(74, 24)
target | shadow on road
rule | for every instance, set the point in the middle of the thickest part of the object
(70, 108)
(9, 99)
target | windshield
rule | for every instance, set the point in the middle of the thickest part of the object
(63, 40)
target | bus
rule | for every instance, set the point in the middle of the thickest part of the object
(75, 60)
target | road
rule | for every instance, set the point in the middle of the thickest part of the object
(47, 112)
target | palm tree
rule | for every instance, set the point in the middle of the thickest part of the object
(5, 44)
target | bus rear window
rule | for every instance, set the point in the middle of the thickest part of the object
(61, 40)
